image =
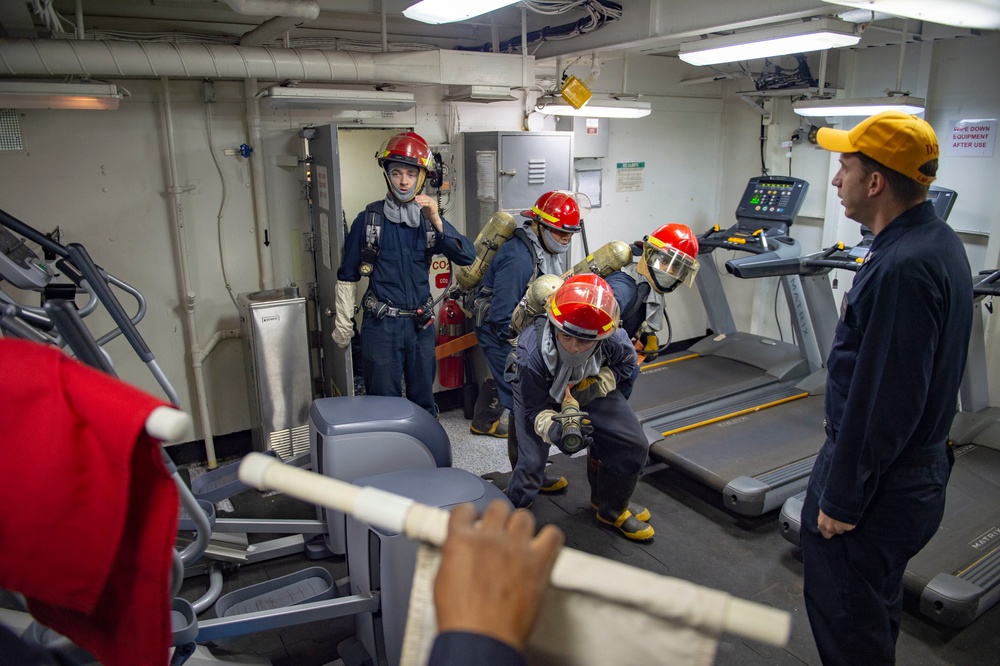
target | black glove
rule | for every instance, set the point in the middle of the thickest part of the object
(571, 435)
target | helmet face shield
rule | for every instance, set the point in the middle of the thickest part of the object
(584, 307)
(666, 267)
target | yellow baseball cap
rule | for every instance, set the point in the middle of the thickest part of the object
(894, 139)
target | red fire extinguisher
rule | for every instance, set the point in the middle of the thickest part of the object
(451, 325)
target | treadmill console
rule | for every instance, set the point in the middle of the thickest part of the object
(772, 199)
(943, 200)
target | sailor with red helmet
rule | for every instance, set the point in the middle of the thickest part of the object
(668, 258)
(391, 243)
(538, 248)
(576, 352)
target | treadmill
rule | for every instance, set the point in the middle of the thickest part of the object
(732, 370)
(760, 456)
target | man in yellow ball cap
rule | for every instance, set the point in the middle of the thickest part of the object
(876, 493)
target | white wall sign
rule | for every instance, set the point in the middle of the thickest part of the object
(970, 138)
(630, 177)
(486, 175)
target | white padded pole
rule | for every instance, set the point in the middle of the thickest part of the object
(742, 618)
(169, 425)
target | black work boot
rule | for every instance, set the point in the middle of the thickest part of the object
(593, 473)
(614, 491)
(489, 417)
(550, 482)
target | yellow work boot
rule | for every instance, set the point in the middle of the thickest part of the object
(629, 526)
(553, 484)
(593, 473)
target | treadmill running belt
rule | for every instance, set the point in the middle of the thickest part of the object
(748, 445)
(685, 380)
(957, 574)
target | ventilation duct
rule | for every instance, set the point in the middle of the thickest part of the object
(125, 59)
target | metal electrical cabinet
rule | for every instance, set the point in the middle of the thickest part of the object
(276, 354)
(510, 170)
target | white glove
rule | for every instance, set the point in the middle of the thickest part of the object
(343, 329)
(543, 424)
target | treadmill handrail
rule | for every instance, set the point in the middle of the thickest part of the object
(988, 286)
(818, 263)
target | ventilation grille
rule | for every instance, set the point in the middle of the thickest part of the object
(10, 130)
(536, 172)
(290, 442)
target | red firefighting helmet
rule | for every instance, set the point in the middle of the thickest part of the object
(409, 149)
(556, 210)
(669, 257)
(584, 307)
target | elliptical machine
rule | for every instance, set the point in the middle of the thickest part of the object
(382, 442)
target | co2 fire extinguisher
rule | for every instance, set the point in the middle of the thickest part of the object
(451, 325)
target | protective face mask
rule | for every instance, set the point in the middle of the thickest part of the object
(574, 360)
(551, 244)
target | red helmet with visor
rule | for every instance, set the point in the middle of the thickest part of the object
(669, 257)
(584, 307)
(556, 210)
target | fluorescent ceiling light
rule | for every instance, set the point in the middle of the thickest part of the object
(862, 106)
(26, 95)
(608, 108)
(983, 14)
(327, 98)
(450, 11)
(772, 41)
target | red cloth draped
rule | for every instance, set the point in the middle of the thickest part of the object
(89, 511)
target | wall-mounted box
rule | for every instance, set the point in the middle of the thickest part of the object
(590, 135)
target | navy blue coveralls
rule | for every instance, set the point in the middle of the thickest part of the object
(619, 442)
(506, 280)
(392, 348)
(892, 385)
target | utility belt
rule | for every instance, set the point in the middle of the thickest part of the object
(422, 316)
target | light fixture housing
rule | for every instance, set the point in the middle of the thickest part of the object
(972, 14)
(607, 108)
(51, 95)
(861, 106)
(815, 35)
(450, 11)
(335, 98)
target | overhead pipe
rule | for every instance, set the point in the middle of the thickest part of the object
(287, 14)
(132, 59)
(307, 10)
(257, 187)
(191, 326)
(79, 19)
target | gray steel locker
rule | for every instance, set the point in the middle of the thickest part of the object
(510, 170)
